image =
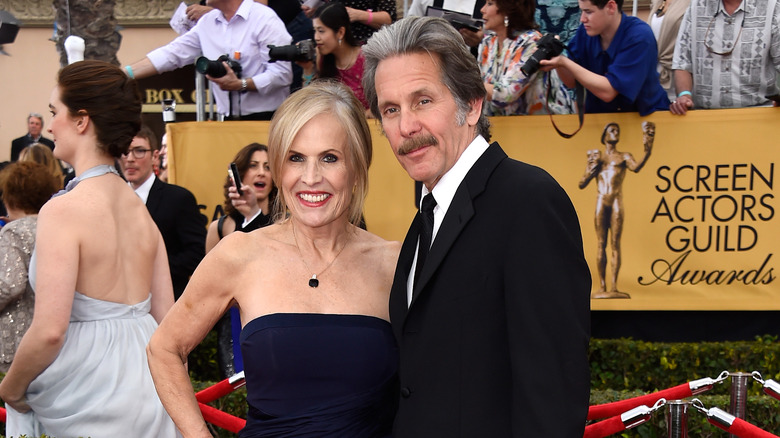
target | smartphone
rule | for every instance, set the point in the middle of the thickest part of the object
(233, 172)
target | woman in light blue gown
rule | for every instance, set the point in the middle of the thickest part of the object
(100, 276)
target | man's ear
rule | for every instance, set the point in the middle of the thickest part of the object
(612, 7)
(475, 111)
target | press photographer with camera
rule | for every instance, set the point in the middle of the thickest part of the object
(338, 54)
(614, 57)
(509, 47)
(235, 35)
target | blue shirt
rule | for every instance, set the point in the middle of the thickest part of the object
(629, 63)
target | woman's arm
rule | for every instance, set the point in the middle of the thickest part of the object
(208, 295)
(162, 287)
(57, 251)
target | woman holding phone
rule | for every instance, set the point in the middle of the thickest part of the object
(248, 199)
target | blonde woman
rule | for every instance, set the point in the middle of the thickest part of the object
(41, 154)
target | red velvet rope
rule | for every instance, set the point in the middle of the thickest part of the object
(618, 407)
(221, 419)
(604, 428)
(218, 390)
(743, 429)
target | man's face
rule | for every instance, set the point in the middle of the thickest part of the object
(34, 126)
(418, 115)
(594, 20)
(138, 169)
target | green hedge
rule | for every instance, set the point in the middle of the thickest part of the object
(620, 369)
(625, 364)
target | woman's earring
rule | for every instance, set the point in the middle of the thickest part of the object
(506, 21)
(339, 41)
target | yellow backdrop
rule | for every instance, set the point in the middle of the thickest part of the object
(700, 227)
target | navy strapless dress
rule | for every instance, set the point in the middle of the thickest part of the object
(318, 375)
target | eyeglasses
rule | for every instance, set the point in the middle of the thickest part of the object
(138, 153)
(733, 46)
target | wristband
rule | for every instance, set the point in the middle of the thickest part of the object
(685, 93)
(129, 71)
(370, 16)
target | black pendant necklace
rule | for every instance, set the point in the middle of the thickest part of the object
(314, 281)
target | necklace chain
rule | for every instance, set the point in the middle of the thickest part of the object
(314, 281)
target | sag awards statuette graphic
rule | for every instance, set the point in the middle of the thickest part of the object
(609, 170)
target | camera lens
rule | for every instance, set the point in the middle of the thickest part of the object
(208, 67)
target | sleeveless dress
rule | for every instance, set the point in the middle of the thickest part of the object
(318, 375)
(99, 385)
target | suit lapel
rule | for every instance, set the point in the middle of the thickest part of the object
(458, 215)
(154, 199)
(398, 296)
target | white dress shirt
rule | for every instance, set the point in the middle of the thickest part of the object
(444, 192)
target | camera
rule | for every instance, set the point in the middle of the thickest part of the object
(547, 47)
(301, 51)
(215, 68)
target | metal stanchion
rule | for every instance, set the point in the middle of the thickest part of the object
(739, 383)
(677, 418)
(200, 96)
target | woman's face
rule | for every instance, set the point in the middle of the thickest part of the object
(62, 126)
(494, 20)
(316, 180)
(326, 39)
(258, 175)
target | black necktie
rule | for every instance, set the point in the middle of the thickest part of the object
(426, 233)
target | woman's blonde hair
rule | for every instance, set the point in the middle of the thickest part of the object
(41, 154)
(323, 97)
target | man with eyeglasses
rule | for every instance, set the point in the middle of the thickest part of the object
(173, 209)
(727, 55)
(614, 57)
(34, 130)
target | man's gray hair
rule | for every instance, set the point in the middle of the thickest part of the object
(435, 36)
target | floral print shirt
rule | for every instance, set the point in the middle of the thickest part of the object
(513, 92)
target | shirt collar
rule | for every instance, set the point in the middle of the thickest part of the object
(143, 190)
(243, 12)
(444, 190)
(722, 8)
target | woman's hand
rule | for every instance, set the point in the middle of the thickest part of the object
(246, 204)
(14, 398)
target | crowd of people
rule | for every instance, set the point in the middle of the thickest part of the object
(109, 284)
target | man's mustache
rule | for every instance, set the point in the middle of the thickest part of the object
(415, 143)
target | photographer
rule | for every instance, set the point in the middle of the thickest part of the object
(614, 57)
(509, 42)
(242, 30)
(338, 53)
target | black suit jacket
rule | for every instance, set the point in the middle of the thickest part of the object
(183, 229)
(22, 142)
(495, 341)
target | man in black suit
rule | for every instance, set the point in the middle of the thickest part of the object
(493, 327)
(173, 209)
(34, 130)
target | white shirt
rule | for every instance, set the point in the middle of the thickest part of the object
(444, 192)
(249, 31)
(143, 190)
(419, 7)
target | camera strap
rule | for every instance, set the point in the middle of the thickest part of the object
(579, 93)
